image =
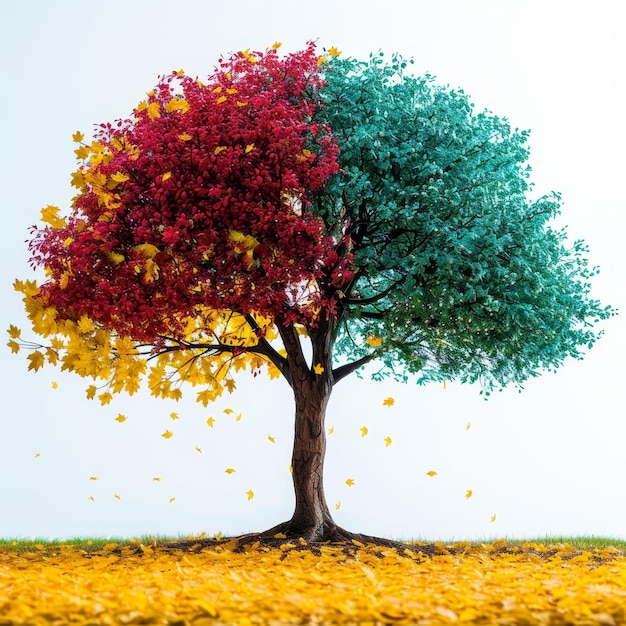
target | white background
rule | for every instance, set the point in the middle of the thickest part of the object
(547, 461)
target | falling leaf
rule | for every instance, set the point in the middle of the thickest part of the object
(467, 426)
(93, 478)
(91, 498)
(468, 494)
(157, 479)
(172, 499)
(238, 418)
(431, 473)
(334, 52)
(444, 384)
(388, 402)
(230, 470)
(228, 411)
(350, 482)
(37, 455)
(387, 441)
(210, 422)
(78, 136)
(250, 494)
(121, 418)
(276, 45)
(338, 505)
(272, 439)
(167, 434)
(493, 518)
(199, 449)
(331, 430)
(117, 496)
(318, 369)
(55, 385)
(364, 431)
(174, 416)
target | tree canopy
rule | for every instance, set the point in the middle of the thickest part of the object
(310, 195)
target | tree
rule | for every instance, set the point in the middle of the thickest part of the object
(305, 199)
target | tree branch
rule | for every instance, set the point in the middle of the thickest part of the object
(348, 368)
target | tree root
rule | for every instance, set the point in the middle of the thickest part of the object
(331, 535)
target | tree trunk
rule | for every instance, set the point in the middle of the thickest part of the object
(311, 519)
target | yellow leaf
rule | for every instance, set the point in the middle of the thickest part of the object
(167, 434)
(228, 411)
(184, 137)
(431, 473)
(37, 455)
(291, 469)
(14, 332)
(249, 148)
(157, 479)
(388, 402)
(91, 498)
(174, 416)
(15, 347)
(373, 341)
(153, 110)
(55, 385)
(105, 398)
(250, 494)
(117, 497)
(469, 493)
(238, 418)
(172, 499)
(166, 176)
(93, 478)
(331, 430)
(49, 215)
(177, 104)
(91, 392)
(219, 149)
(119, 177)
(276, 45)
(199, 449)
(221, 99)
(467, 426)
(350, 482)
(444, 384)
(241, 103)
(334, 52)
(493, 518)
(271, 438)
(85, 325)
(280, 536)
(338, 506)
(230, 470)
(78, 136)
(387, 441)
(318, 369)
(121, 418)
(210, 421)
(364, 431)
(36, 360)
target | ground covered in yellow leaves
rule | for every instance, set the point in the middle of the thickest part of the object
(290, 584)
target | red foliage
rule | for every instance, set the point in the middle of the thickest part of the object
(240, 153)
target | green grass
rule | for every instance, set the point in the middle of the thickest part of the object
(587, 542)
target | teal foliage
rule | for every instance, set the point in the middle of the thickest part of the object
(458, 269)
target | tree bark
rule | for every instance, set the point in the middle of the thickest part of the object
(311, 519)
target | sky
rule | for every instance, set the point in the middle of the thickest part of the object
(547, 461)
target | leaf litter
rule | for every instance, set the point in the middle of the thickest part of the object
(289, 582)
